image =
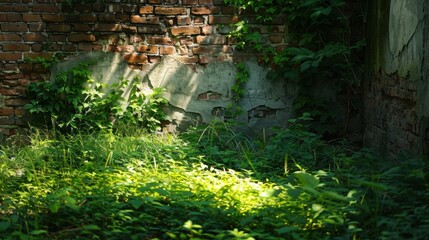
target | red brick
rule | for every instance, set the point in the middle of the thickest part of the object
(205, 10)
(9, 91)
(130, 8)
(149, 49)
(152, 30)
(30, 55)
(10, 47)
(146, 10)
(83, 8)
(10, 56)
(215, 40)
(198, 20)
(7, 121)
(189, 2)
(80, 37)
(223, 19)
(19, 112)
(10, 83)
(46, 8)
(187, 41)
(15, 102)
(56, 37)
(170, 2)
(182, 50)
(185, 31)
(207, 30)
(186, 59)
(205, 2)
(183, 20)
(33, 37)
(13, 17)
(21, 8)
(68, 48)
(159, 40)
(53, 17)
(154, 1)
(136, 58)
(37, 27)
(14, 27)
(37, 47)
(144, 20)
(207, 50)
(10, 37)
(170, 10)
(82, 27)
(129, 29)
(6, 8)
(86, 47)
(29, 17)
(87, 17)
(167, 50)
(58, 28)
(125, 48)
(104, 27)
(6, 111)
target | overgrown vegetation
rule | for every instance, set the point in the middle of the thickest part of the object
(209, 183)
(74, 100)
(323, 57)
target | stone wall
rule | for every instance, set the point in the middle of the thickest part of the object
(396, 87)
(145, 35)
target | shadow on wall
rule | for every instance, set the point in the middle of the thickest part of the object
(197, 93)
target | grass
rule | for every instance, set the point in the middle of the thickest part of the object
(209, 183)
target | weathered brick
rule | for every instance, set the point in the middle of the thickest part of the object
(159, 40)
(68, 48)
(86, 47)
(106, 18)
(275, 38)
(187, 41)
(37, 27)
(83, 8)
(13, 17)
(45, 8)
(182, 50)
(53, 17)
(185, 31)
(189, 2)
(15, 102)
(228, 10)
(82, 27)
(7, 111)
(205, 2)
(215, 40)
(30, 55)
(6, 8)
(37, 47)
(14, 27)
(130, 8)
(9, 91)
(9, 47)
(154, 1)
(207, 30)
(88, 17)
(170, 10)
(152, 29)
(136, 58)
(198, 20)
(29, 17)
(223, 19)
(9, 37)
(186, 59)
(146, 10)
(149, 49)
(170, 2)
(10, 56)
(80, 37)
(166, 50)
(205, 10)
(33, 37)
(144, 20)
(104, 27)
(207, 50)
(183, 20)
(58, 28)
(56, 37)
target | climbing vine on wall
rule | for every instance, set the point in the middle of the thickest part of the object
(322, 56)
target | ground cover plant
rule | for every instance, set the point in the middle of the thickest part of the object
(210, 183)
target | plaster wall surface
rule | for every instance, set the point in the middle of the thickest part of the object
(396, 88)
(198, 94)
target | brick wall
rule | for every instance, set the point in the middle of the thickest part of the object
(143, 31)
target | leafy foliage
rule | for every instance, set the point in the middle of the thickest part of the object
(114, 184)
(322, 56)
(73, 100)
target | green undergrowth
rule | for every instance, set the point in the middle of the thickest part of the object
(210, 183)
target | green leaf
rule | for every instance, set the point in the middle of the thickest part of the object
(38, 232)
(4, 226)
(91, 227)
(54, 208)
(307, 180)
